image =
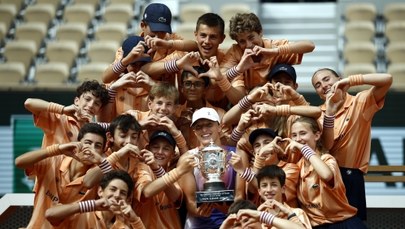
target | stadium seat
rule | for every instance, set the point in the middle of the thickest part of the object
(186, 30)
(20, 51)
(190, 12)
(73, 31)
(394, 11)
(120, 13)
(7, 12)
(359, 31)
(3, 32)
(54, 3)
(398, 73)
(360, 52)
(34, 31)
(40, 13)
(62, 51)
(81, 13)
(94, 3)
(395, 52)
(111, 32)
(395, 31)
(102, 51)
(11, 74)
(91, 71)
(17, 3)
(129, 2)
(53, 74)
(227, 11)
(360, 12)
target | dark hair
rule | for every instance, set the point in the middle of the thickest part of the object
(118, 174)
(164, 89)
(211, 20)
(92, 128)
(241, 204)
(244, 22)
(97, 89)
(199, 70)
(271, 171)
(124, 122)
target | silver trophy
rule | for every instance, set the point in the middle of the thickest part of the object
(213, 164)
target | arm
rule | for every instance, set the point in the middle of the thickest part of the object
(156, 43)
(333, 102)
(55, 215)
(266, 218)
(186, 164)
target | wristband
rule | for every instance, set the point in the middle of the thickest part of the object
(171, 66)
(291, 215)
(259, 162)
(55, 108)
(159, 172)
(111, 94)
(113, 158)
(307, 152)
(224, 84)
(283, 110)
(245, 104)
(300, 100)
(105, 166)
(266, 218)
(248, 175)
(180, 140)
(328, 121)
(53, 150)
(118, 67)
(236, 135)
(171, 177)
(87, 206)
(232, 73)
(284, 49)
(355, 80)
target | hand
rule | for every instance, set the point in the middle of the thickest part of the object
(168, 125)
(133, 150)
(155, 43)
(150, 121)
(269, 52)
(186, 163)
(214, 73)
(70, 149)
(87, 155)
(236, 162)
(127, 211)
(272, 148)
(264, 110)
(229, 221)
(246, 62)
(70, 110)
(284, 93)
(261, 94)
(186, 62)
(246, 120)
(84, 116)
(334, 100)
(247, 217)
(144, 80)
(342, 84)
(102, 204)
(293, 146)
(149, 159)
(136, 53)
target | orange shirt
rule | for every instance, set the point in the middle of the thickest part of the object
(53, 186)
(94, 220)
(256, 76)
(57, 128)
(323, 203)
(352, 130)
(157, 211)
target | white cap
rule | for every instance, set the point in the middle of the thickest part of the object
(205, 113)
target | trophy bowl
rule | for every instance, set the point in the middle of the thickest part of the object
(213, 164)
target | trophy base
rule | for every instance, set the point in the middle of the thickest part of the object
(214, 186)
(220, 196)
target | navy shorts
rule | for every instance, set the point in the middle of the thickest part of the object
(355, 190)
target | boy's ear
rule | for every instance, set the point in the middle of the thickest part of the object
(100, 191)
(110, 138)
(317, 135)
(76, 101)
(142, 25)
(149, 104)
